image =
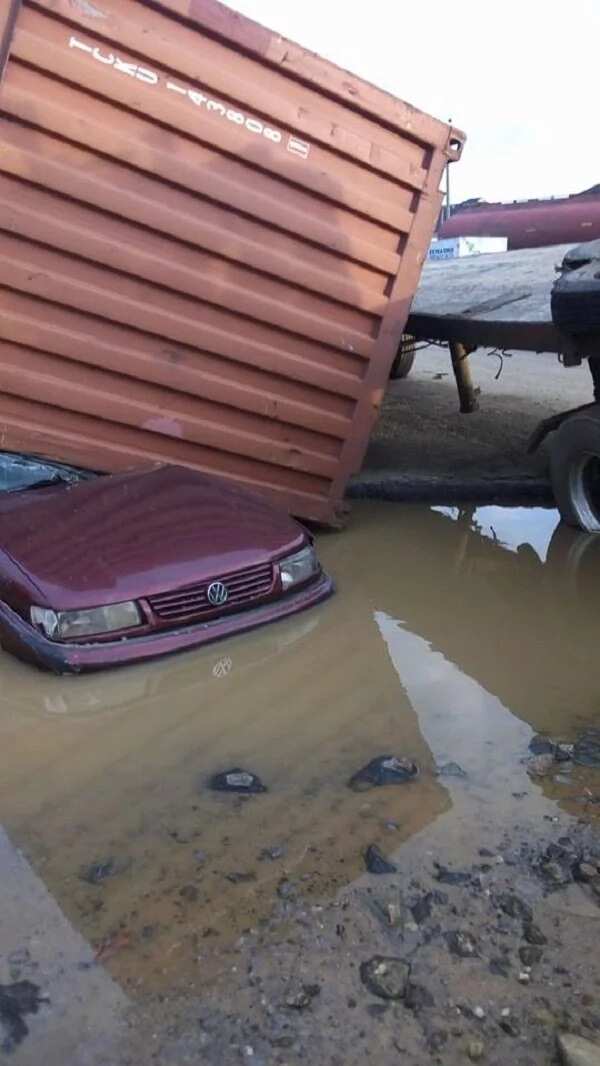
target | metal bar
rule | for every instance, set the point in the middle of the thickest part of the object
(462, 372)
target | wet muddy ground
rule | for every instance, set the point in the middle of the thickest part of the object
(160, 920)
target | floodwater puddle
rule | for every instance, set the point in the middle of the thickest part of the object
(454, 636)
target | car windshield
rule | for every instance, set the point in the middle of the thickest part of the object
(19, 472)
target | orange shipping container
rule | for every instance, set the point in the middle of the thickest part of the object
(211, 239)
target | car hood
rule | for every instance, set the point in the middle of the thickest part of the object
(126, 536)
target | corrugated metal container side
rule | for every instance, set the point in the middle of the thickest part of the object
(210, 242)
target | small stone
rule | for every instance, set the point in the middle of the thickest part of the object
(564, 752)
(272, 853)
(376, 863)
(421, 910)
(303, 997)
(524, 977)
(505, 1012)
(237, 780)
(530, 954)
(385, 976)
(541, 745)
(286, 890)
(189, 893)
(540, 765)
(102, 869)
(452, 877)
(500, 965)
(461, 943)
(510, 1027)
(577, 1051)
(555, 874)
(514, 906)
(486, 853)
(533, 934)
(417, 997)
(479, 1012)
(238, 877)
(384, 770)
(584, 871)
(451, 769)
(199, 856)
(476, 1050)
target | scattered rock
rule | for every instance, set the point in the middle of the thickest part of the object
(238, 877)
(452, 877)
(102, 869)
(500, 965)
(479, 1013)
(514, 906)
(416, 997)
(286, 890)
(385, 976)
(533, 934)
(421, 910)
(555, 873)
(541, 745)
(530, 954)
(564, 752)
(584, 871)
(524, 977)
(376, 863)
(303, 997)
(237, 780)
(476, 1050)
(510, 1027)
(576, 1051)
(540, 765)
(384, 770)
(189, 893)
(461, 943)
(586, 751)
(273, 853)
(451, 769)
(17, 1000)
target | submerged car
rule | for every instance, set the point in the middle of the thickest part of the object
(98, 571)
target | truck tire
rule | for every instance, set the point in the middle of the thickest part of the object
(402, 365)
(575, 470)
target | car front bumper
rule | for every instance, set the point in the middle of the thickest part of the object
(21, 639)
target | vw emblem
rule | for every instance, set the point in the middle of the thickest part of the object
(217, 594)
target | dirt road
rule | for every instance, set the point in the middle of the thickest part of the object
(421, 436)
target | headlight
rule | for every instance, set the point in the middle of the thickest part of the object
(298, 568)
(66, 625)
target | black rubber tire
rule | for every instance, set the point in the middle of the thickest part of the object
(402, 365)
(575, 470)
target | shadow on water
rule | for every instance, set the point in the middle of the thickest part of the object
(453, 635)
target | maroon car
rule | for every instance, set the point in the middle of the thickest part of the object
(99, 571)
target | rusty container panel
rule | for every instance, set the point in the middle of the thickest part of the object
(210, 243)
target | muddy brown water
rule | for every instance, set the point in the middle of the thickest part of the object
(454, 634)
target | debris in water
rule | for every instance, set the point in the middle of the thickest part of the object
(237, 780)
(384, 770)
(540, 765)
(102, 869)
(586, 751)
(273, 853)
(112, 944)
(376, 863)
(451, 769)
(22, 997)
(238, 878)
(385, 976)
(541, 745)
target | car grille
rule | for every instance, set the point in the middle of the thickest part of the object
(244, 588)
